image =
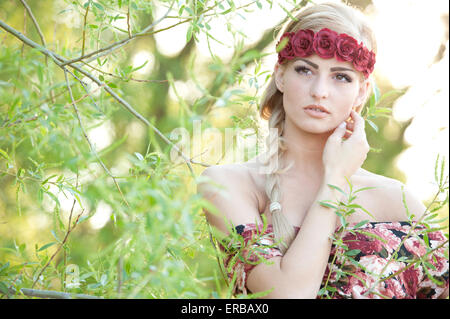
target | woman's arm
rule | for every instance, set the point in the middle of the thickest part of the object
(299, 273)
(231, 193)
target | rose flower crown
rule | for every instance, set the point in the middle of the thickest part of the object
(327, 44)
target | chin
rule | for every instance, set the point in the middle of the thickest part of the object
(316, 128)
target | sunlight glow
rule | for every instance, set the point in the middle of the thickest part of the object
(427, 103)
(103, 135)
(171, 41)
(101, 216)
(408, 34)
(140, 58)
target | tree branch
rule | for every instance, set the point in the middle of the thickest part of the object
(51, 294)
(61, 61)
(74, 104)
(104, 51)
(69, 230)
(41, 35)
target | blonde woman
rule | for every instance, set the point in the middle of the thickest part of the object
(313, 103)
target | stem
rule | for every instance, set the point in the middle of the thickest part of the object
(88, 140)
(61, 61)
(69, 230)
(104, 51)
(51, 294)
(84, 30)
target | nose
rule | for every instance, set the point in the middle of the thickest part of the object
(319, 89)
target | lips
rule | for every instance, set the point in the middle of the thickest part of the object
(316, 111)
(317, 108)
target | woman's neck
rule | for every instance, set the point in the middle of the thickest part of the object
(304, 150)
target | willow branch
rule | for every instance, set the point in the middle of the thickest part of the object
(128, 22)
(74, 104)
(120, 78)
(69, 230)
(146, 31)
(61, 61)
(84, 30)
(36, 25)
(41, 35)
(107, 50)
(51, 294)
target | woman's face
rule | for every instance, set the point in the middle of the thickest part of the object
(319, 94)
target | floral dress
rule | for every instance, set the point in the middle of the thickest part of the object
(395, 260)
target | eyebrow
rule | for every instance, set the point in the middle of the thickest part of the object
(315, 66)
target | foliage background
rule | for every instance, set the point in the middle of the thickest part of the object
(91, 198)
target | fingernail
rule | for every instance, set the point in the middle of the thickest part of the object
(343, 124)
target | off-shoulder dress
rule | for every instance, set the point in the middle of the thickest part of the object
(399, 260)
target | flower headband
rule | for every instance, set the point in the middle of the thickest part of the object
(327, 44)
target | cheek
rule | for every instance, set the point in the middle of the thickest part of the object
(347, 99)
(294, 93)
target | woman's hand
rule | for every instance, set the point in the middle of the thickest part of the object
(343, 157)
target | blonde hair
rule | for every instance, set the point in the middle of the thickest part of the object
(342, 19)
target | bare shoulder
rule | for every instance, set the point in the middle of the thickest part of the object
(393, 199)
(230, 190)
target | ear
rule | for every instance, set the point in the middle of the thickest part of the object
(362, 95)
(279, 77)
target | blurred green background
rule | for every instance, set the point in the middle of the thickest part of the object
(134, 228)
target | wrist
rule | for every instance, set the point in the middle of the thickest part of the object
(334, 179)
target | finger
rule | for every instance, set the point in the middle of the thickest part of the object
(350, 125)
(339, 131)
(347, 135)
(358, 123)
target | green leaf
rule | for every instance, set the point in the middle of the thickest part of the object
(99, 6)
(139, 156)
(324, 203)
(364, 189)
(5, 155)
(189, 33)
(46, 246)
(372, 124)
(55, 235)
(337, 188)
(4, 267)
(352, 252)
(362, 223)
(4, 288)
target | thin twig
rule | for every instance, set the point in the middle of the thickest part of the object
(119, 77)
(112, 47)
(33, 118)
(74, 104)
(69, 230)
(36, 25)
(41, 35)
(128, 21)
(59, 60)
(84, 28)
(51, 294)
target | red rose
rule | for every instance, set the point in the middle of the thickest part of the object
(371, 64)
(363, 59)
(325, 43)
(285, 48)
(346, 47)
(302, 43)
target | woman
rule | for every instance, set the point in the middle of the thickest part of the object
(313, 103)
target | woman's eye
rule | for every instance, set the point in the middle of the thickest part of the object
(302, 70)
(343, 77)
